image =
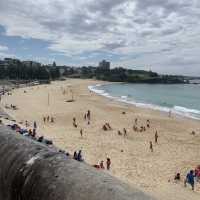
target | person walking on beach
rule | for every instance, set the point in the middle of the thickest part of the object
(35, 125)
(74, 120)
(136, 120)
(81, 132)
(44, 119)
(151, 146)
(125, 132)
(156, 137)
(88, 114)
(108, 163)
(190, 179)
(102, 165)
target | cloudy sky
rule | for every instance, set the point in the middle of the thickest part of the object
(161, 35)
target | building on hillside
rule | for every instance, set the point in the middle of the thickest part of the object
(31, 63)
(104, 65)
(10, 61)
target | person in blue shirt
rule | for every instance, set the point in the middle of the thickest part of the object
(190, 179)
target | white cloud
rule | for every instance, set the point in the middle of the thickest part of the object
(3, 48)
(163, 34)
(4, 52)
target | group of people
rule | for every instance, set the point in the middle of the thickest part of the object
(31, 133)
(87, 116)
(74, 122)
(48, 119)
(106, 127)
(141, 128)
(78, 156)
(124, 132)
(192, 177)
(13, 107)
(101, 164)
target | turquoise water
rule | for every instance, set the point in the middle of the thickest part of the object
(179, 99)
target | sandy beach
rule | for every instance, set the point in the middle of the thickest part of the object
(132, 161)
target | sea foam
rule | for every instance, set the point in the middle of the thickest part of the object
(177, 110)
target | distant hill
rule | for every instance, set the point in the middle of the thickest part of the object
(30, 70)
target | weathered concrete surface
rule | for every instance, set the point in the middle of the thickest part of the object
(31, 171)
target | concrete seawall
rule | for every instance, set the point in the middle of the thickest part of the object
(32, 171)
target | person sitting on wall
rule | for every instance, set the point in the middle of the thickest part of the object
(79, 157)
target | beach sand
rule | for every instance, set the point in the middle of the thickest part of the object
(132, 161)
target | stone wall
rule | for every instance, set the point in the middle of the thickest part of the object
(32, 171)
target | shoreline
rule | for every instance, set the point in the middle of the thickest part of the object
(124, 99)
(177, 150)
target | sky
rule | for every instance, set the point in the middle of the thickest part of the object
(157, 35)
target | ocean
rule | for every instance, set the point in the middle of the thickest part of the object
(180, 99)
